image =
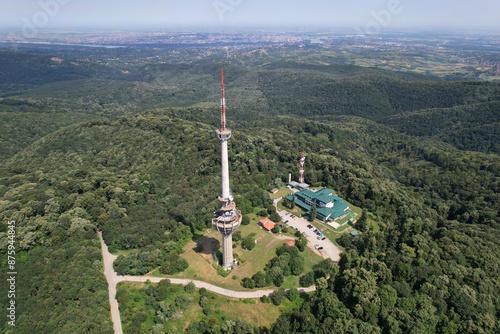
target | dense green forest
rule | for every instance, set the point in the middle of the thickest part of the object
(43, 93)
(411, 151)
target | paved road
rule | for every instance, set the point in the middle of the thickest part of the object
(112, 278)
(329, 249)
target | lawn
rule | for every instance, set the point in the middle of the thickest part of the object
(343, 220)
(343, 228)
(200, 264)
(373, 222)
(219, 308)
(281, 193)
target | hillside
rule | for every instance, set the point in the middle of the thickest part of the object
(132, 151)
(43, 93)
(433, 254)
(474, 126)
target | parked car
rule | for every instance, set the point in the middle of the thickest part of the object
(309, 226)
(320, 248)
(323, 238)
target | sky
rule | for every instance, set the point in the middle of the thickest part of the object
(363, 15)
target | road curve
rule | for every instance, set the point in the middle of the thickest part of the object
(208, 286)
(113, 278)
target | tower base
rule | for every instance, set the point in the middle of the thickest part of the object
(227, 251)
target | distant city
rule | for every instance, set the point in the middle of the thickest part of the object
(461, 56)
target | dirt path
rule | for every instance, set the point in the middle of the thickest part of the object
(112, 278)
(208, 286)
(278, 238)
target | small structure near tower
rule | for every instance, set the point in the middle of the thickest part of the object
(227, 218)
(302, 161)
(301, 185)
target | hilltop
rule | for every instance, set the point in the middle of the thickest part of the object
(132, 151)
(122, 174)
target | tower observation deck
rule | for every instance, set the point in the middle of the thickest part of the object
(227, 218)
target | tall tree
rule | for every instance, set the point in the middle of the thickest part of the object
(312, 213)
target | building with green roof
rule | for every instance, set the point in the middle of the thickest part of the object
(329, 206)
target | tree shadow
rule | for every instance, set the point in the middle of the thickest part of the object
(206, 245)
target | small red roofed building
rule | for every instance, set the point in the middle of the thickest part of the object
(290, 243)
(267, 223)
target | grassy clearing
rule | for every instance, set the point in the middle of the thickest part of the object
(200, 264)
(218, 309)
(343, 228)
(281, 193)
(373, 222)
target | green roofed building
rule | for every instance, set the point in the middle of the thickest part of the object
(329, 206)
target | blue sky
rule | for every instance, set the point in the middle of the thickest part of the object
(360, 14)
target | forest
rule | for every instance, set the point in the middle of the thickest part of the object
(408, 149)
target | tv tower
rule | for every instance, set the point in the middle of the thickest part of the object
(302, 160)
(227, 218)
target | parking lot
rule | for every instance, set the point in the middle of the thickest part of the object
(329, 249)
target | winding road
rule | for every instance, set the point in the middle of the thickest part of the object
(113, 279)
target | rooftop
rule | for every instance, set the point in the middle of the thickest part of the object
(324, 195)
(267, 223)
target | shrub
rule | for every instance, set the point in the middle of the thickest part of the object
(204, 301)
(266, 299)
(237, 236)
(278, 296)
(248, 243)
(248, 283)
(262, 213)
(307, 280)
(293, 294)
(245, 220)
(301, 244)
(275, 217)
(190, 287)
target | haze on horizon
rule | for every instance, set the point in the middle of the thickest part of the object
(362, 15)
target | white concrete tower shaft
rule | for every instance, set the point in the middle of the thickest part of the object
(227, 218)
(226, 194)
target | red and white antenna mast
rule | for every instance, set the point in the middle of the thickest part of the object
(227, 218)
(222, 103)
(302, 161)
